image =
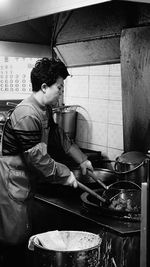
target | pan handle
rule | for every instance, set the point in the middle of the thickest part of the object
(91, 192)
(92, 175)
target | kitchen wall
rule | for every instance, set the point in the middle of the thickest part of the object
(97, 89)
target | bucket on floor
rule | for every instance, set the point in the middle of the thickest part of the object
(82, 249)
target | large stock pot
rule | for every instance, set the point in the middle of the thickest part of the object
(82, 250)
(131, 166)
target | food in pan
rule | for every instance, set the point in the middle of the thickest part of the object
(121, 204)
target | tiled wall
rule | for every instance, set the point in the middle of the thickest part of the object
(97, 90)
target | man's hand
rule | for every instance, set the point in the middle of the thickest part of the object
(86, 165)
(71, 181)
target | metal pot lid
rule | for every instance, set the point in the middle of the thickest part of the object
(131, 157)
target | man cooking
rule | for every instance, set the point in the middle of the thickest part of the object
(26, 158)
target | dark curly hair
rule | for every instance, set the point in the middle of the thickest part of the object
(47, 71)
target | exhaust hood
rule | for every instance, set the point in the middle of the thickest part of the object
(86, 33)
(91, 35)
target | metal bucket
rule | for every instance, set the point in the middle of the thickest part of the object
(69, 119)
(83, 251)
(66, 118)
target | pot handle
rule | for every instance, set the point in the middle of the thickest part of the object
(126, 172)
(117, 163)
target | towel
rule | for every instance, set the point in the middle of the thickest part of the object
(50, 240)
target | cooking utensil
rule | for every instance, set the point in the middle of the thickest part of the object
(124, 200)
(91, 192)
(120, 195)
(105, 175)
(11, 104)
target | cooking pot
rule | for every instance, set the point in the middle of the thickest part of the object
(105, 175)
(83, 249)
(131, 166)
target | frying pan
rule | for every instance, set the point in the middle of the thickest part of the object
(122, 195)
(123, 201)
(95, 207)
(124, 184)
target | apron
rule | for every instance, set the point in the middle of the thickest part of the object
(14, 195)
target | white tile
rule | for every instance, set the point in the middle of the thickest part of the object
(99, 70)
(115, 92)
(83, 106)
(98, 134)
(98, 110)
(68, 100)
(70, 71)
(77, 86)
(115, 112)
(115, 70)
(83, 114)
(81, 102)
(80, 71)
(115, 136)
(114, 153)
(98, 87)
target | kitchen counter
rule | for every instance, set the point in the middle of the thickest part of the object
(68, 199)
(61, 208)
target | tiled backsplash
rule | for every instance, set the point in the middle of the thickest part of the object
(97, 89)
